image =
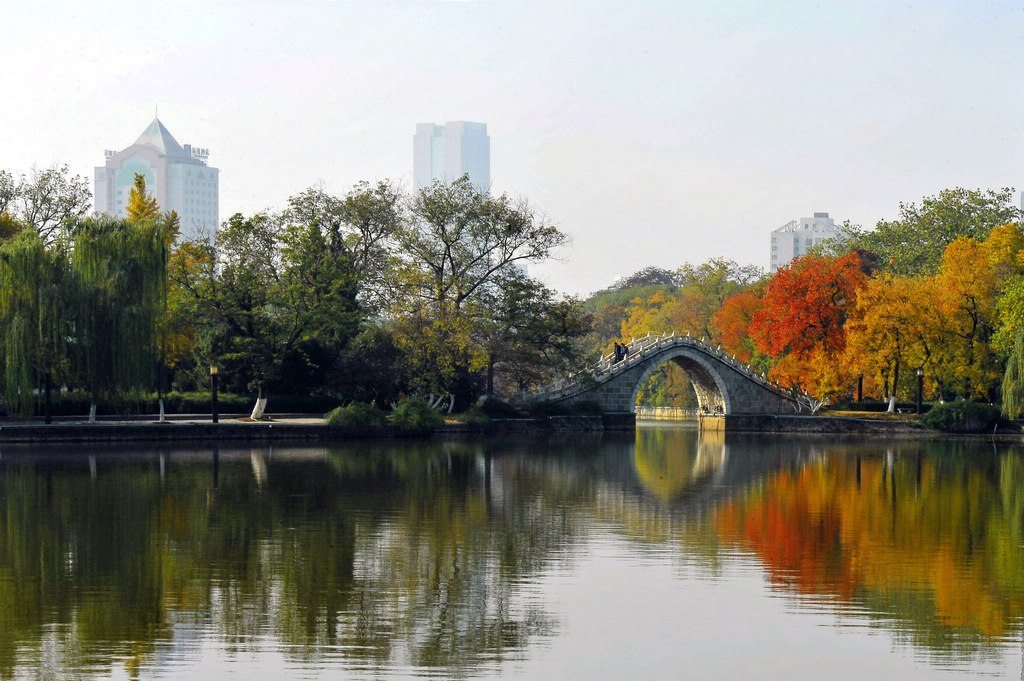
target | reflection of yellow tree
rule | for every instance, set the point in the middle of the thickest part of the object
(934, 545)
(670, 461)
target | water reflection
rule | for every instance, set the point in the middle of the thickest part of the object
(433, 555)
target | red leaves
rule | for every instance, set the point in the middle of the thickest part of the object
(806, 305)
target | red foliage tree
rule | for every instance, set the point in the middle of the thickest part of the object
(805, 307)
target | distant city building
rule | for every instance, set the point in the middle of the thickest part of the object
(447, 152)
(177, 176)
(796, 238)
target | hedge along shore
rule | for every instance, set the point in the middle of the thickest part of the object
(306, 429)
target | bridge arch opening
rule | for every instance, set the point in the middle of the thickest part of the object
(708, 385)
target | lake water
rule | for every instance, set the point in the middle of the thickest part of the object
(662, 554)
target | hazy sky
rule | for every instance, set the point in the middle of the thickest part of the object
(655, 133)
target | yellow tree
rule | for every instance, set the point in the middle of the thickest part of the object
(966, 295)
(142, 207)
(884, 332)
(648, 316)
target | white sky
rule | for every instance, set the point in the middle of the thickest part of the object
(655, 133)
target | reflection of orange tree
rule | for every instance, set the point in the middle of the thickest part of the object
(937, 548)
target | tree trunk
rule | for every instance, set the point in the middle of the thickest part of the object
(490, 376)
(92, 413)
(47, 401)
(261, 404)
(160, 389)
(895, 380)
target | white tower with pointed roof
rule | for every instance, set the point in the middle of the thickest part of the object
(178, 176)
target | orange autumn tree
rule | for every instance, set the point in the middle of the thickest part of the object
(733, 322)
(802, 322)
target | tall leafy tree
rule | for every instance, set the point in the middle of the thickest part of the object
(361, 227)
(268, 296)
(802, 321)
(119, 270)
(530, 336)
(46, 200)
(914, 243)
(454, 249)
(34, 299)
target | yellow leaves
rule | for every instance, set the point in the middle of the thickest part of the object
(648, 316)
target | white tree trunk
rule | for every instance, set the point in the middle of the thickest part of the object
(892, 404)
(257, 411)
(92, 413)
(162, 411)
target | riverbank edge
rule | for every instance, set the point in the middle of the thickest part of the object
(139, 430)
(178, 431)
(837, 425)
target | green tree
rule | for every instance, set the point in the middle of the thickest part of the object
(455, 250)
(530, 336)
(361, 227)
(46, 201)
(267, 296)
(913, 243)
(34, 295)
(119, 270)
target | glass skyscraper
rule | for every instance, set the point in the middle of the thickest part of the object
(447, 152)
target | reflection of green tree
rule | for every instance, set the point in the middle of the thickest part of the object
(394, 556)
(413, 553)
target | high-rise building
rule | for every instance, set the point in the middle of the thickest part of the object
(177, 176)
(796, 237)
(447, 152)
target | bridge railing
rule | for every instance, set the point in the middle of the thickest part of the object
(637, 350)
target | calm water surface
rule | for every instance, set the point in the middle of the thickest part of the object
(659, 555)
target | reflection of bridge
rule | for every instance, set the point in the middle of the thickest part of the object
(723, 384)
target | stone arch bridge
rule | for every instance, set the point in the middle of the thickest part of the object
(723, 385)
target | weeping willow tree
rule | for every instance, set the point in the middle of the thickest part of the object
(33, 315)
(120, 271)
(1013, 380)
(143, 209)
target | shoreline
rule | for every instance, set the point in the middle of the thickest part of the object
(310, 428)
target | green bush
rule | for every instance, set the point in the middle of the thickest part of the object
(497, 409)
(356, 415)
(962, 417)
(413, 414)
(475, 414)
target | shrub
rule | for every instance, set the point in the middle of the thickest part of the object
(475, 414)
(962, 417)
(356, 415)
(413, 414)
(497, 409)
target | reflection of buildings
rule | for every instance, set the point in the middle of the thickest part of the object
(447, 152)
(177, 176)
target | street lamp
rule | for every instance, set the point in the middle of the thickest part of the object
(920, 387)
(213, 392)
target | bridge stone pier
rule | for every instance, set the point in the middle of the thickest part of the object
(723, 385)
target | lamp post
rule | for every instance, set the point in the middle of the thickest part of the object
(920, 387)
(213, 392)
